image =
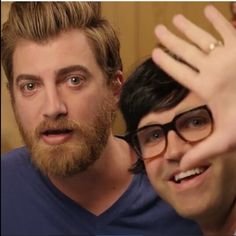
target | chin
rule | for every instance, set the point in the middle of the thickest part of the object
(189, 213)
(194, 211)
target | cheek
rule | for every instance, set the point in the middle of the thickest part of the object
(82, 109)
(85, 106)
(154, 171)
(26, 114)
(225, 167)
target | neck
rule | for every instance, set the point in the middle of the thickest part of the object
(97, 188)
(224, 224)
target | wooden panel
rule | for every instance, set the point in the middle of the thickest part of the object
(9, 132)
(137, 34)
(134, 22)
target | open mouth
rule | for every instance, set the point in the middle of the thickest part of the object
(189, 174)
(57, 132)
(56, 136)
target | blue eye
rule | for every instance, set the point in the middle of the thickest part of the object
(29, 86)
(196, 122)
(75, 80)
(151, 136)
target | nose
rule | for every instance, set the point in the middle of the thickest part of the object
(176, 147)
(54, 106)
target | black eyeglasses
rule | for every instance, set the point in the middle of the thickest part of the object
(191, 126)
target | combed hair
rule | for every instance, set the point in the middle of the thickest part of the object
(42, 21)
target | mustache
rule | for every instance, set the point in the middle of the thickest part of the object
(57, 125)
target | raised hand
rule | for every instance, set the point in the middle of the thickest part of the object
(215, 80)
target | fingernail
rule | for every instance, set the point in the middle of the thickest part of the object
(160, 30)
(178, 20)
(210, 11)
(156, 54)
(157, 51)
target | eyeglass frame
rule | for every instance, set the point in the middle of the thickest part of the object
(128, 137)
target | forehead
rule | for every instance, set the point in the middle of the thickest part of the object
(161, 117)
(69, 48)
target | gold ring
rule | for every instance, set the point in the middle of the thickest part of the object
(212, 46)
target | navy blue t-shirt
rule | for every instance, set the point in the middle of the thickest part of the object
(32, 205)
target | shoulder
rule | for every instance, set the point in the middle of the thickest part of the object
(18, 173)
(18, 151)
(15, 161)
(16, 155)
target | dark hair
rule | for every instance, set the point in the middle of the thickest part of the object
(148, 89)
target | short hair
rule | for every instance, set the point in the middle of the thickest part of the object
(146, 90)
(42, 21)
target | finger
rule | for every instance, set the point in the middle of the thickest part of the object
(180, 47)
(176, 69)
(197, 35)
(210, 148)
(200, 154)
(220, 23)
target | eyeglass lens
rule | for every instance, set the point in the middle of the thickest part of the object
(191, 126)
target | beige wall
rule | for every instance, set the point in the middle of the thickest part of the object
(134, 22)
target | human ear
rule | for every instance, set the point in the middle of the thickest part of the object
(117, 83)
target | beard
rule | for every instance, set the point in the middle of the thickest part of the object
(79, 152)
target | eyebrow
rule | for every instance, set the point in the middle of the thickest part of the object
(180, 112)
(26, 77)
(73, 68)
(188, 108)
(59, 73)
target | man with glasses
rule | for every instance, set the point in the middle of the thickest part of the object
(192, 126)
(164, 121)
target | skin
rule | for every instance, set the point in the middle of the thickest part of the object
(215, 83)
(54, 94)
(208, 198)
(233, 9)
